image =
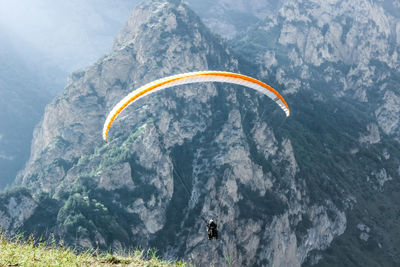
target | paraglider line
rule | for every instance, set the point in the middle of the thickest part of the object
(282, 123)
(185, 186)
(181, 179)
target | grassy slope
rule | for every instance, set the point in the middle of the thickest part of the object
(17, 252)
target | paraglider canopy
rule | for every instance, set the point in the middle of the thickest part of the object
(194, 77)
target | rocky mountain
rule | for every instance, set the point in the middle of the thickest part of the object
(317, 188)
(230, 18)
(347, 52)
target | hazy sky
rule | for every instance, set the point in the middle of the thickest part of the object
(69, 33)
(41, 42)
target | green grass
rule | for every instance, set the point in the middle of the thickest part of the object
(19, 252)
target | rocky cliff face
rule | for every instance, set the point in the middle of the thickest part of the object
(281, 191)
(337, 51)
(353, 47)
(16, 207)
(229, 18)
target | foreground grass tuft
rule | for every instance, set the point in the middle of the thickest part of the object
(20, 252)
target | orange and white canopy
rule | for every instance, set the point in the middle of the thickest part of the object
(193, 77)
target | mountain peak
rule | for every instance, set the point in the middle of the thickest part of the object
(161, 38)
(154, 17)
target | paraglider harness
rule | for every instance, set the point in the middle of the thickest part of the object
(212, 230)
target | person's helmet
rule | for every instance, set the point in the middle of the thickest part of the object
(210, 221)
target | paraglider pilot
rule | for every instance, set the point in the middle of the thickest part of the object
(212, 229)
